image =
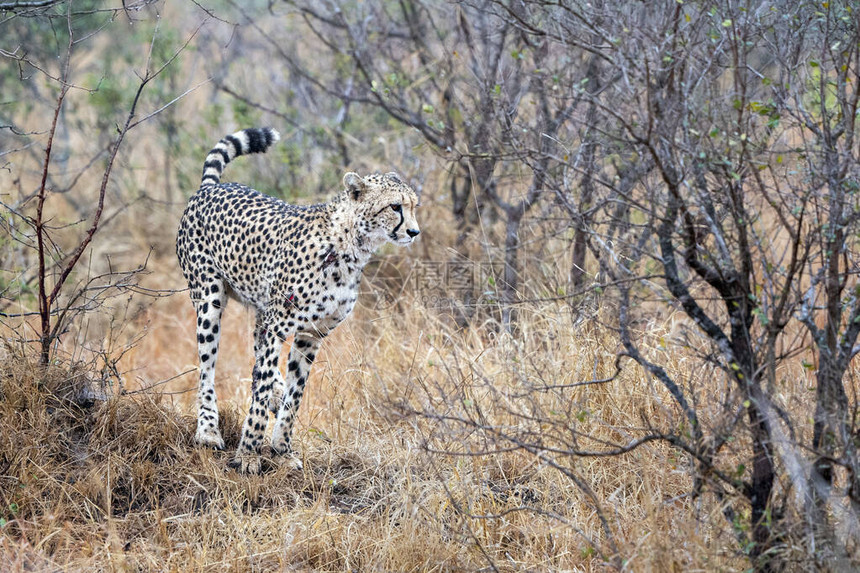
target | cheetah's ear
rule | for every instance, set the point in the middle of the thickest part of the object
(354, 184)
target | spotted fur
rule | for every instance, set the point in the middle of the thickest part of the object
(298, 267)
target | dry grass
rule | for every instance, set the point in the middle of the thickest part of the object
(118, 484)
(395, 478)
(396, 475)
(389, 483)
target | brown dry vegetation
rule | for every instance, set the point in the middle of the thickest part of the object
(118, 484)
(416, 432)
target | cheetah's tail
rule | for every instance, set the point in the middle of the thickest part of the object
(254, 140)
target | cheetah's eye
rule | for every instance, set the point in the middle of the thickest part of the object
(397, 207)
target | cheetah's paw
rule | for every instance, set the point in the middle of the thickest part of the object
(209, 438)
(246, 463)
(289, 458)
(293, 462)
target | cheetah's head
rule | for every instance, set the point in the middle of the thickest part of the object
(386, 205)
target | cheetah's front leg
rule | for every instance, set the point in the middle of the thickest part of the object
(278, 381)
(267, 350)
(302, 356)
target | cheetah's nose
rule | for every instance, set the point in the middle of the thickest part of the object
(412, 232)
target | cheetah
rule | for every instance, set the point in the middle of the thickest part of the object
(298, 267)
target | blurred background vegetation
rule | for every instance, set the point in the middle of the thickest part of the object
(625, 340)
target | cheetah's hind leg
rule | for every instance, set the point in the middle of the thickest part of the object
(209, 301)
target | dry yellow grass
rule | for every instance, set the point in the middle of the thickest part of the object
(119, 485)
(392, 481)
(396, 475)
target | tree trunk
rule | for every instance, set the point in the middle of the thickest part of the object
(761, 517)
(589, 151)
(581, 223)
(830, 396)
(510, 283)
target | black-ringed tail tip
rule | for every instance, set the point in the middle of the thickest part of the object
(253, 140)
